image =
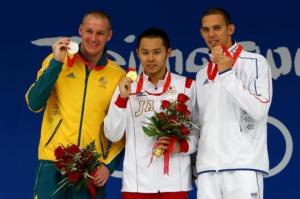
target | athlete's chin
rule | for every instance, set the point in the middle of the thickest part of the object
(211, 45)
(93, 52)
(92, 49)
(150, 72)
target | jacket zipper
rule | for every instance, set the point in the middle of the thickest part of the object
(83, 104)
(54, 132)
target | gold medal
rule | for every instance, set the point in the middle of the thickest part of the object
(132, 75)
(158, 152)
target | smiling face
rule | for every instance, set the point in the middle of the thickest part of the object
(215, 31)
(95, 31)
(153, 56)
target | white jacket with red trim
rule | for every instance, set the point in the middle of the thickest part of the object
(233, 113)
(127, 117)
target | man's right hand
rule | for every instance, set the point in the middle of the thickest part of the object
(125, 87)
(221, 59)
(217, 51)
(59, 49)
(164, 142)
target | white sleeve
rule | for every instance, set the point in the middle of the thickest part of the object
(115, 120)
(254, 98)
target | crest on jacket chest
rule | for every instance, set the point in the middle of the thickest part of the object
(171, 91)
(102, 81)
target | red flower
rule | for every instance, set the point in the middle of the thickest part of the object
(68, 159)
(73, 149)
(182, 98)
(187, 113)
(74, 177)
(87, 156)
(161, 115)
(165, 104)
(59, 165)
(184, 130)
(59, 152)
(182, 108)
(172, 119)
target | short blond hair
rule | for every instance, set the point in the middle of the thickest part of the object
(97, 14)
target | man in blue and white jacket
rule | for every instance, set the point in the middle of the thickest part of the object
(234, 93)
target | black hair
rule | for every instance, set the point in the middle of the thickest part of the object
(154, 33)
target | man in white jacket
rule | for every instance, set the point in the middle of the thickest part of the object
(131, 105)
(234, 95)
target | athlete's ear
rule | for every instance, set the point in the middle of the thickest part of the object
(109, 35)
(137, 52)
(169, 51)
(80, 29)
(231, 29)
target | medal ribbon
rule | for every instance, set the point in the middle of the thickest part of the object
(140, 84)
(212, 72)
(167, 153)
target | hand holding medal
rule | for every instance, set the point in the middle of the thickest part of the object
(221, 62)
(124, 85)
(217, 50)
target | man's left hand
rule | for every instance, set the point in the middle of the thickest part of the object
(101, 176)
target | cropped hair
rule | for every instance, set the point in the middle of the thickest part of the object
(98, 14)
(154, 33)
(220, 11)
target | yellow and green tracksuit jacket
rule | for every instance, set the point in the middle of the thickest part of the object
(76, 101)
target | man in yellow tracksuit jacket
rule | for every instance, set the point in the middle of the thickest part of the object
(75, 93)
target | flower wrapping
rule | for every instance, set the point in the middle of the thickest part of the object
(77, 165)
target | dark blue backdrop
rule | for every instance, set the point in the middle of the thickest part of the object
(28, 28)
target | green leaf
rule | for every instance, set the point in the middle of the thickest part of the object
(150, 131)
(78, 185)
(91, 146)
(175, 132)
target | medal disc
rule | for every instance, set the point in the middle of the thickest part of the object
(73, 47)
(132, 75)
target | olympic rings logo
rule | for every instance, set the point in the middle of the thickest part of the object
(288, 146)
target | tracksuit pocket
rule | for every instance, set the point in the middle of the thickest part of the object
(54, 132)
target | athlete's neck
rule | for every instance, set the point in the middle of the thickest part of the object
(156, 77)
(94, 59)
(229, 44)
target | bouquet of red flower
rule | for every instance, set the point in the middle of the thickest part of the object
(78, 166)
(173, 121)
